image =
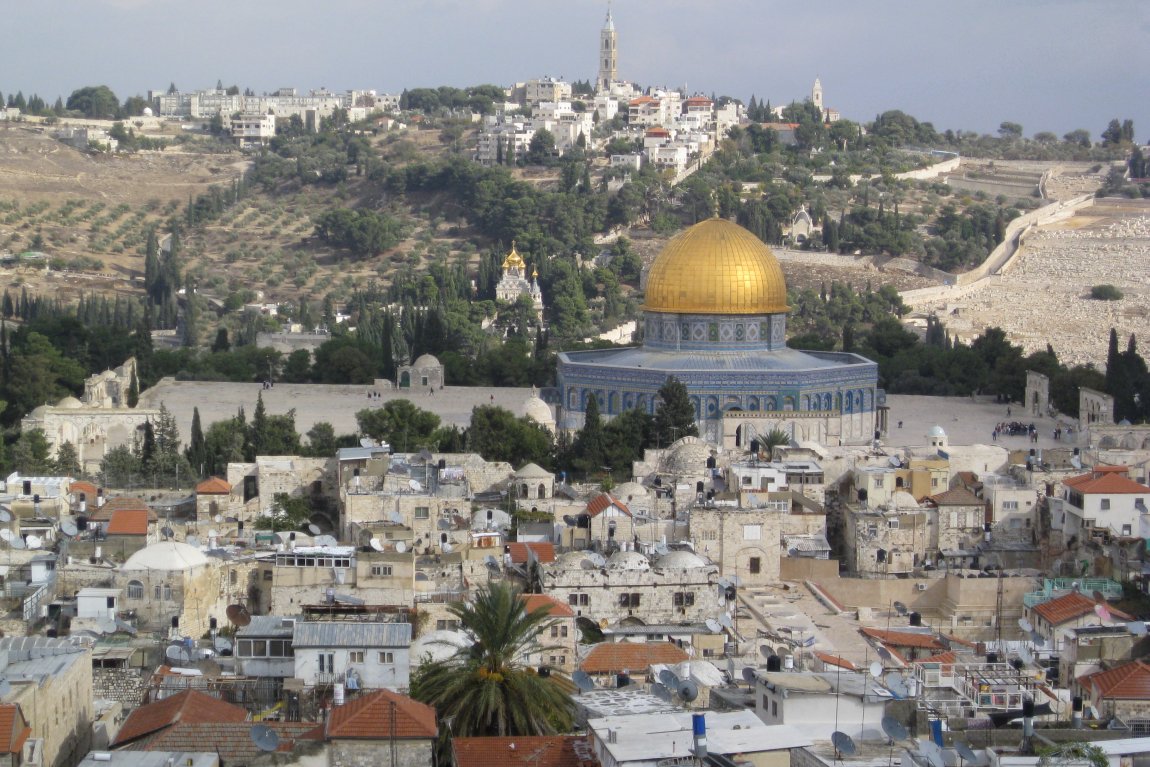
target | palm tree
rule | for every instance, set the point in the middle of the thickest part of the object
(487, 688)
(773, 439)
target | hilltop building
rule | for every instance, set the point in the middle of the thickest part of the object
(514, 282)
(715, 319)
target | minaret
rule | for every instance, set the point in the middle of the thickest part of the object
(817, 94)
(608, 54)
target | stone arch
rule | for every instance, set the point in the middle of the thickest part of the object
(542, 490)
(753, 402)
(572, 398)
(1130, 442)
(788, 403)
(695, 404)
(772, 404)
(613, 402)
(839, 401)
(806, 402)
(826, 401)
(1107, 442)
(712, 406)
(405, 379)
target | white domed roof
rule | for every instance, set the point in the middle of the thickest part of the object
(681, 560)
(688, 454)
(533, 471)
(539, 411)
(571, 560)
(440, 645)
(630, 492)
(936, 431)
(628, 560)
(39, 412)
(901, 499)
(71, 403)
(425, 361)
(166, 555)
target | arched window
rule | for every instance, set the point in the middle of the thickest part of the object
(542, 490)
(135, 590)
(167, 593)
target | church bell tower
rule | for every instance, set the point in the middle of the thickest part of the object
(608, 54)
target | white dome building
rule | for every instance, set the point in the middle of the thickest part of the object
(175, 587)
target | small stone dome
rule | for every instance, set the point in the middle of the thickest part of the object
(39, 412)
(425, 361)
(533, 471)
(936, 431)
(439, 645)
(166, 556)
(571, 560)
(901, 499)
(628, 560)
(70, 403)
(681, 560)
(629, 492)
(689, 454)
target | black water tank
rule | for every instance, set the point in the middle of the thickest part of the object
(442, 463)
(213, 624)
(862, 496)
(710, 462)
(755, 446)
(622, 680)
(992, 657)
(175, 621)
(916, 619)
(26, 488)
(1076, 703)
(52, 633)
(774, 663)
(1028, 707)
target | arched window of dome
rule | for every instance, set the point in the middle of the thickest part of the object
(613, 403)
(695, 405)
(542, 490)
(752, 403)
(135, 590)
(788, 403)
(839, 401)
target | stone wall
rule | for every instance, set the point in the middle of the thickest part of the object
(805, 568)
(126, 685)
(371, 753)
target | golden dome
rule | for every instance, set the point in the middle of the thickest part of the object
(716, 267)
(514, 260)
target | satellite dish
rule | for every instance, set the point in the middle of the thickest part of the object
(900, 608)
(326, 541)
(447, 547)
(570, 520)
(843, 743)
(884, 653)
(1037, 638)
(493, 564)
(192, 540)
(6, 535)
(725, 621)
(583, 681)
(876, 669)
(218, 518)
(1100, 609)
(415, 486)
(366, 442)
(688, 691)
(1025, 655)
(669, 680)
(167, 532)
(177, 653)
(965, 752)
(933, 754)
(314, 529)
(587, 564)
(1137, 628)
(661, 692)
(17, 542)
(895, 684)
(5, 514)
(375, 544)
(444, 523)
(265, 738)
(395, 517)
(400, 547)
(895, 462)
(238, 615)
(712, 625)
(213, 533)
(108, 626)
(68, 528)
(1025, 625)
(749, 674)
(893, 728)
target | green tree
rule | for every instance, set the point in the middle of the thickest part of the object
(67, 460)
(121, 468)
(587, 452)
(400, 423)
(197, 447)
(321, 440)
(94, 101)
(30, 454)
(497, 435)
(674, 415)
(541, 148)
(487, 689)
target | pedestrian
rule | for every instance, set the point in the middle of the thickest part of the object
(1008, 411)
(900, 424)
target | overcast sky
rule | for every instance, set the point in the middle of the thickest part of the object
(971, 64)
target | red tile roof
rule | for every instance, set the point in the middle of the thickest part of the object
(87, 488)
(128, 522)
(104, 513)
(232, 740)
(213, 486)
(942, 657)
(188, 706)
(604, 501)
(1106, 480)
(544, 552)
(957, 496)
(904, 638)
(614, 657)
(1071, 606)
(555, 609)
(1130, 681)
(835, 660)
(369, 717)
(526, 751)
(14, 730)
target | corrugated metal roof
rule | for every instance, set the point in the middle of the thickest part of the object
(268, 625)
(350, 634)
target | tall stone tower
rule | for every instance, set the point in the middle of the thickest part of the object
(608, 54)
(817, 94)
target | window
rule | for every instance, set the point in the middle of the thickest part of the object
(934, 481)
(326, 663)
(355, 656)
(872, 530)
(135, 590)
(683, 598)
(629, 600)
(710, 535)
(167, 593)
(1010, 505)
(1125, 530)
(381, 570)
(268, 575)
(422, 512)
(559, 632)
(156, 591)
(892, 524)
(774, 708)
(755, 565)
(878, 481)
(447, 625)
(578, 600)
(746, 480)
(386, 656)
(752, 532)
(1105, 504)
(557, 660)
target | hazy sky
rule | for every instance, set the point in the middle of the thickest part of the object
(1047, 64)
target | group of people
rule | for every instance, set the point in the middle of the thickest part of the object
(1015, 429)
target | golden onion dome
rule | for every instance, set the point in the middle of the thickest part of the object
(716, 267)
(514, 260)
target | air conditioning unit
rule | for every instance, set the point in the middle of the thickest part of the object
(920, 586)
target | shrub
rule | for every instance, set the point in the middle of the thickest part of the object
(1105, 293)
